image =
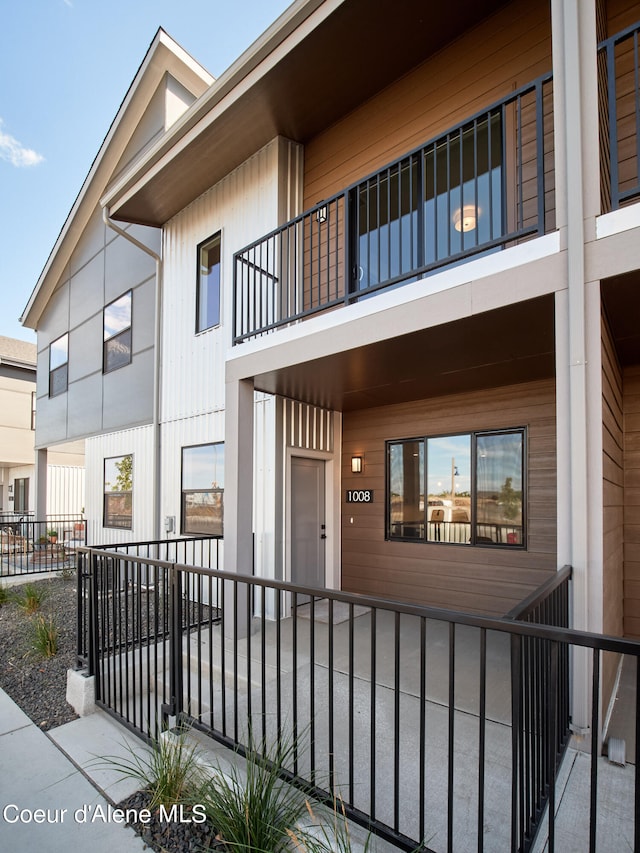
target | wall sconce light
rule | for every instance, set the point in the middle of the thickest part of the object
(356, 464)
(465, 218)
(321, 214)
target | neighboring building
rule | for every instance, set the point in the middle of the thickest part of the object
(17, 440)
(383, 310)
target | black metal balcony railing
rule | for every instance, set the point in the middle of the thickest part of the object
(29, 546)
(125, 624)
(482, 186)
(399, 708)
(619, 83)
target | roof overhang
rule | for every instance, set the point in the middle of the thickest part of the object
(290, 82)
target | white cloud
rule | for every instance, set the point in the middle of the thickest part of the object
(13, 152)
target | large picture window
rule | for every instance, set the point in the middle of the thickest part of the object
(203, 489)
(464, 489)
(208, 296)
(117, 333)
(59, 366)
(118, 492)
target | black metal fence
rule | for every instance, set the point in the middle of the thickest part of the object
(619, 70)
(483, 185)
(435, 727)
(28, 546)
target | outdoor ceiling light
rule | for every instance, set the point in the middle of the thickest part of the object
(356, 464)
(465, 218)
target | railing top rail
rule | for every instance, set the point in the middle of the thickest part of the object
(492, 623)
(507, 99)
(538, 595)
(148, 542)
(620, 36)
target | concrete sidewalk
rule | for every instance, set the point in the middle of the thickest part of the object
(36, 775)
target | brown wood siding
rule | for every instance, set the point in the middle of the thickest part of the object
(485, 580)
(620, 15)
(631, 385)
(508, 50)
(612, 505)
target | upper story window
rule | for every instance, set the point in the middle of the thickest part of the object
(208, 290)
(118, 492)
(117, 333)
(432, 206)
(465, 489)
(59, 366)
(203, 489)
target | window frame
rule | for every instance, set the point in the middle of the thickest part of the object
(61, 369)
(219, 491)
(201, 247)
(106, 517)
(127, 331)
(475, 541)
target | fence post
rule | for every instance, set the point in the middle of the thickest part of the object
(175, 707)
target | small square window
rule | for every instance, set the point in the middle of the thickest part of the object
(208, 289)
(59, 366)
(117, 333)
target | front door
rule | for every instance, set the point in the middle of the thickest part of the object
(307, 522)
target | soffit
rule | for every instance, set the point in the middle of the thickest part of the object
(502, 347)
(355, 52)
(621, 297)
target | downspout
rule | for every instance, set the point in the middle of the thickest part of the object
(157, 461)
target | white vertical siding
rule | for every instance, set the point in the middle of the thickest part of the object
(267, 489)
(138, 442)
(65, 490)
(201, 429)
(307, 427)
(243, 207)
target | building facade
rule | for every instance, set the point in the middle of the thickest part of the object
(376, 319)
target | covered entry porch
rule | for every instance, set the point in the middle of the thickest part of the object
(490, 373)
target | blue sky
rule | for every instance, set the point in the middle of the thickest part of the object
(65, 67)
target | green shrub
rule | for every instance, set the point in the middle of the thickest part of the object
(4, 594)
(169, 769)
(252, 809)
(45, 636)
(30, 598)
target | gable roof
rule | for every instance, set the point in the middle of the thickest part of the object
(164, 56)
(17, 353)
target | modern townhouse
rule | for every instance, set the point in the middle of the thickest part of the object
(366, 303)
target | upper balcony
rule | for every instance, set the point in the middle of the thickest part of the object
(484, 185)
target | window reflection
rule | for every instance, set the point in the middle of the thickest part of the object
(406, 466)
(449, 488)
(499, 495)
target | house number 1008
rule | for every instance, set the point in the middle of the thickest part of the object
(359, 496)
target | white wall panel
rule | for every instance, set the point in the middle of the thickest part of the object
(138, 442)
(65, 490)
(202, 429)
(243, 206)
(307, 427)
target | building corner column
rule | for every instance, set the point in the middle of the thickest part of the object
(577, 346)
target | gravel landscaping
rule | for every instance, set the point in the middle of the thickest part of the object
(37, 684)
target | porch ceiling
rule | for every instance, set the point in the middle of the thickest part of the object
(502, 347)
(621, 297)
(320, 79)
